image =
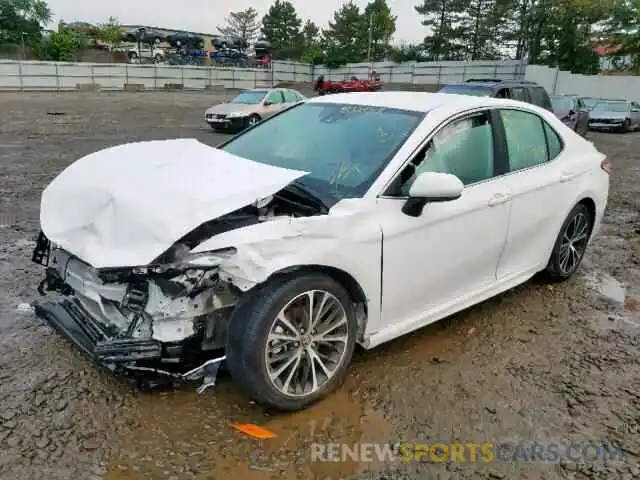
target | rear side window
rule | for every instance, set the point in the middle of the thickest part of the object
(540, 98)
(526, 139)
(518, 93)
(291, 96)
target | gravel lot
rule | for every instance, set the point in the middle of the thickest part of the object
(539, 363)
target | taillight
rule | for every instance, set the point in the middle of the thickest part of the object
(606, 165)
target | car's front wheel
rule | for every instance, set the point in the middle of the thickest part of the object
(291, 344)
(252, 120)
(571, 244)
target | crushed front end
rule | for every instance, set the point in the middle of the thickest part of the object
(162, 322)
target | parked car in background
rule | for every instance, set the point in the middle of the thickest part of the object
(618, 115)
(266, 253)
(250, 107)
(521, 90)
(572, 111)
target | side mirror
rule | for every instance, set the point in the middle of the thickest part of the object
(267, 103)
(432, 187)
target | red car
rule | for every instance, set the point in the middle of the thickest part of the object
(354, 85)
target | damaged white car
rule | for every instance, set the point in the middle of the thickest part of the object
(349, 219)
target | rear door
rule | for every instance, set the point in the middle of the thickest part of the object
(542, 181)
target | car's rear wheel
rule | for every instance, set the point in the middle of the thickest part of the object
(292, 343)
(570, 245)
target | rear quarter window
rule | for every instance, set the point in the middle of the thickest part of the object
(540, 97)
(554, 143)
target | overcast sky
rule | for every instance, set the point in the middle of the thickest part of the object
(204, 15)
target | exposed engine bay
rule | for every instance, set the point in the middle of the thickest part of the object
(168, 318)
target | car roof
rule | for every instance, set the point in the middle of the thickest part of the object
(413, 101)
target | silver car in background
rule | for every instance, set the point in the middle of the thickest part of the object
(572, 111)
(617, 115)
(250, 107)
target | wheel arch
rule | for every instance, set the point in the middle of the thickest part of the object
(345, 279)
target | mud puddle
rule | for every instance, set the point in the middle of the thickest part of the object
(621, 310)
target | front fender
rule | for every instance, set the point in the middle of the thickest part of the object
(348, 239)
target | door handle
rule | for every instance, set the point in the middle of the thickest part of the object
(498, 199)
(566, 176)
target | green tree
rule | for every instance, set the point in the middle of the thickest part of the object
(63, 45)
(623, 28)
(481, 28)
(383, 25)
(346, 37)
(243, 25)
(281, 26)
(110, 32)
(23, 20)
(444, 18)
(312, 40)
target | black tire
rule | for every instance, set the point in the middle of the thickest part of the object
(555, 272)
(252, 120)
(250, 325)
(626, 126)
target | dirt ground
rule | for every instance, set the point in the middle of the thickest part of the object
(542, 364)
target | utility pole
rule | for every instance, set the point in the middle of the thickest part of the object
(370, 42)
(24, 49)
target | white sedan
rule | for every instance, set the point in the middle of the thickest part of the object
(348, 219)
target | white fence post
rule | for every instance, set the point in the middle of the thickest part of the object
(20, 76)
(57, 77)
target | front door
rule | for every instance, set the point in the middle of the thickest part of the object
(273, 103)
(452, 249)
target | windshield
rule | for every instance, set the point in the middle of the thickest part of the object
(250, 98)
(590, 102)
(612, 106)
(343, 147)
(561, 103)
(475, 90)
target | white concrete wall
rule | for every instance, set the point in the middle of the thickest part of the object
(60, 76)
(427, 73)
(560, 82)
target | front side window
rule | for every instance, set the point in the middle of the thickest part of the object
(275, 97)
(463, 148)
(526, 139)
(343, 147)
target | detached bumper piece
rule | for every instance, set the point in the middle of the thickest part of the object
(135, 358)
(73, 323)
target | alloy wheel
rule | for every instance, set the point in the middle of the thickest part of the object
(307, 343)
(573, 243)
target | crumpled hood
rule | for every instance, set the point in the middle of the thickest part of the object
(126, 205)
